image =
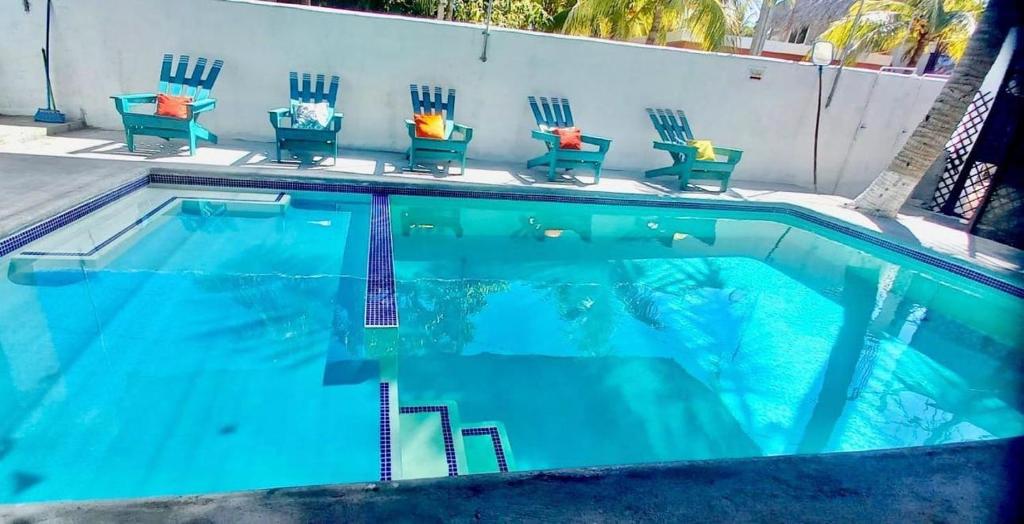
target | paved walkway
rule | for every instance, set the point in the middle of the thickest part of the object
(41, 176)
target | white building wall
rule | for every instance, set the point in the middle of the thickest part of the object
(105, 47)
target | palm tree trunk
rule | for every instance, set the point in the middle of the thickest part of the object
(923, 38)
(887, 193)
(761, 28)
(656, 16)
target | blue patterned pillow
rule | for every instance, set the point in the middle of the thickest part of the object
(309, 115)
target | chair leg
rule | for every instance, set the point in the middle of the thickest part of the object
(538, 161)
(412, 159)
(192, 139)
(662, 171)
(597, 172)
(129, 140)
(552, 174)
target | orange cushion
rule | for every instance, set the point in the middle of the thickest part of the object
(172, 105)
(429, 125)
(569, 137)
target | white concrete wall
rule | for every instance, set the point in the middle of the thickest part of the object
(103, 47)
(22, 35)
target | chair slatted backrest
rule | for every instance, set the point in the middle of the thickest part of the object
(307, 91)
(424, 103)
(551, 113)
(671, 126)
(195, 86)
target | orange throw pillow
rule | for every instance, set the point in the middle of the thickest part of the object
(172, 105)
(569, 137)
(429, 125)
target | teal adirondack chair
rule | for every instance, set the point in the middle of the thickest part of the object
(196, 86)
(674, 133)
(301, 141)
(433, 151)
(557, 113)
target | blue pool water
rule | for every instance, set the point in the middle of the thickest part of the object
(226, 350)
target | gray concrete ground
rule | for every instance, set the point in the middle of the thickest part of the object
(975, 482)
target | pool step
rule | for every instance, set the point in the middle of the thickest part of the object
(433, 443)
(430, 441)
(120, 225)
(487, 448)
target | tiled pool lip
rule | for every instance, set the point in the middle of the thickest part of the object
(381, 308)
(441, 189)
(19, 239)
(138, 222)
(386, 453)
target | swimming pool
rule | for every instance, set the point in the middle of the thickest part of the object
(179, 340)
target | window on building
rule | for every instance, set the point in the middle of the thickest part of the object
(798, 36)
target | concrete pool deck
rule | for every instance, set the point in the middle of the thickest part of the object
(973, 482)
(46, 174)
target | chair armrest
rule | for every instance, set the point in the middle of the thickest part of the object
(200, 106)
(464, 130)
(732, 155)
(602, 143)
(550, 138)
(410, 126)
(277, 114)
(675, 147)
(335, 125)
(124, 103)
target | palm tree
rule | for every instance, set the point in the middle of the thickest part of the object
(888, 24)
(890, 190)
(710, 21)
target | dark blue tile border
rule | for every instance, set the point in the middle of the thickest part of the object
(381, 309)
(385, 432)
(134, 225)
(25, 236)
(446, 433)
(499, 449)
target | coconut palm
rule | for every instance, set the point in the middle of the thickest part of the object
(885, 25)
(890, 190)
(709, 21)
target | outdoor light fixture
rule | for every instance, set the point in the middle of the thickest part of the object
(821, 55)
(487, 31)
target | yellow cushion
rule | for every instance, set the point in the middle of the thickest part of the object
(705, 151)
(429, 125)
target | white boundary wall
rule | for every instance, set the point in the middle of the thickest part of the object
(105, 47)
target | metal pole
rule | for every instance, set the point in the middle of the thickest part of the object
(487, 31)
(817, 125)
(843, 53)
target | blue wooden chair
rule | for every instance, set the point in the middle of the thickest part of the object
(433, 151)
(196, 86)
(557, 113)
(300, 141)
(674, 133)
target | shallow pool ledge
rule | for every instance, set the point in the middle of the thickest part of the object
(951, 483)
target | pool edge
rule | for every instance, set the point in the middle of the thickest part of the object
(972, 481)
